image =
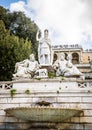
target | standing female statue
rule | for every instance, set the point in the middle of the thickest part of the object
(44, 49)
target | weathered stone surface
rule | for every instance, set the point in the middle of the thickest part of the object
(65, 94)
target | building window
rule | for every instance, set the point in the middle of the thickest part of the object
(75, 58)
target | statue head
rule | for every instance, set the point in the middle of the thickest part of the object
(69, 57)
(32, 57)
(46, 33)
(62, 56)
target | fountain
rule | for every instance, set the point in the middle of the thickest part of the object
(31, 69)
(43, 114)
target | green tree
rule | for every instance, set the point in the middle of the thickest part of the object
(12, 50)
(21, 26)
(4, 16)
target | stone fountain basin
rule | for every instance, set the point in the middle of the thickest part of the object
(43, 114)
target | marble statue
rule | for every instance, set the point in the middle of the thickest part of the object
(29, 68)
(44, 49)
(41, 73)
(26, 68)
(65, 67)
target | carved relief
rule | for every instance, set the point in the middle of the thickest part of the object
(82, 85)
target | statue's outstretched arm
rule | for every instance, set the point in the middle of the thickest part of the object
(22, 62)
(37, 35)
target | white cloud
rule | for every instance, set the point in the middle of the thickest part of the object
(17, 6)
(20, 6)
(68, 21)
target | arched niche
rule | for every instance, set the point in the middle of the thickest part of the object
(75, 58)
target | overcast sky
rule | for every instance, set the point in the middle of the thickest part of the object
(68, 21)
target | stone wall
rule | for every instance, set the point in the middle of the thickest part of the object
(85, 56)
(65, 93)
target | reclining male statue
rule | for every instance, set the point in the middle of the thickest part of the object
(29, 68)
(64, 67)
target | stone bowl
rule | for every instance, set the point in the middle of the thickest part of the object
(43, 114)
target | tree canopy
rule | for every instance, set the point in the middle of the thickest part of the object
(20, 25)
(17, 40)
(12, 50)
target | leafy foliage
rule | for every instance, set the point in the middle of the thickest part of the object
(20, 25)
(27, 91)
(13, 92)
(12, 50)
(4, 16)
(17, 40)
